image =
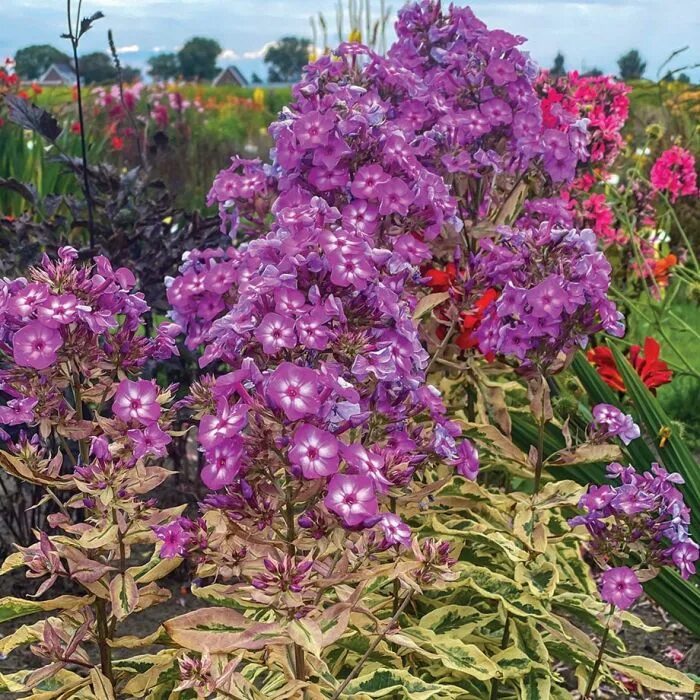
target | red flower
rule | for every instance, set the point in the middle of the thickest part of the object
(472, 319)
(653, 371)
(75, 127)
(117, 143)
(441, 280)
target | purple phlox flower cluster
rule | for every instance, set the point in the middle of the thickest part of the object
(67, 318)
(609, 421)
(481, 115)
(553, 294)
(321, 310)
(642, 521)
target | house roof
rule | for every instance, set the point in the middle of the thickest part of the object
(233, 72)
(57, 74)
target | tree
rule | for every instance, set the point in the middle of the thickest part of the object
(287, 58)
(631, 65)
(163, 66)
(97, 67)
(255, 79)
(557, 70)
(671, 77)
(593, 73)
(130, 74)
(32, 61)
(198, 58)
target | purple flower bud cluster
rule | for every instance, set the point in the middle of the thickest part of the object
(553, 294)
(641, 522)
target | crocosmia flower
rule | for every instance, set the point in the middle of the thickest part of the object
(137, 401)
(620, 587)
(352, 498)
(314, 451)
(35, 345)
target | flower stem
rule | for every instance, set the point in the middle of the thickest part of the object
(406, 600)
(599, 659)
(540, 453)
(504, 643)
(102, 635)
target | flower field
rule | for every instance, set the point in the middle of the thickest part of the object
(379, 386)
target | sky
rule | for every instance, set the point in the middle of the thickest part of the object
(590, 33)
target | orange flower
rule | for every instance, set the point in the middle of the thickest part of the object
(661, 269)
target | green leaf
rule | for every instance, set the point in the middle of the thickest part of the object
(123, 594)
(450, 652)
(428, 303)
(382, 683)
(653, 675)
(535, 687)
(457, 620)
(221, 631)
(499, 587)
(11, 608)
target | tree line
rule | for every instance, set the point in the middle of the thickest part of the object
(196, 60)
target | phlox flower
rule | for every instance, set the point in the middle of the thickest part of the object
(18, 411)
(35, 345)
(152, 440)
(222, 464)
(276, 332)
(395, 530)
(352, 498)
(137, 401)
(314, 451)
(294, 390)
(614, 423)
(620, 587)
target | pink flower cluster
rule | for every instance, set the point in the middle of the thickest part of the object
(674, 173)
(68, 320)
(602, 101)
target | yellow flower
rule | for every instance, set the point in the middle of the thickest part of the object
(259, 97)
(355, 36)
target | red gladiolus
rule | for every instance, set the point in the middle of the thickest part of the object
(653, 371)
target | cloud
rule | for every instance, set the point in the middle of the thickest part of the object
(132, 48)
(228, 55)
(259, 53)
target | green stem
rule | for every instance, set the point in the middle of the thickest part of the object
(599, 659)
(540, 450)
(358, 667)
(504, 643)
